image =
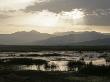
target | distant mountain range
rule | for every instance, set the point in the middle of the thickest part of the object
(74, 39)
(22, 38)
(60, 38)
(102, 42)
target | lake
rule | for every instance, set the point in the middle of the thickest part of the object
(51, 60)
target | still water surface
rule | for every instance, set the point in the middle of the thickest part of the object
(57, 60)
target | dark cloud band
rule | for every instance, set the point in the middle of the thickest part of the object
(67, 5)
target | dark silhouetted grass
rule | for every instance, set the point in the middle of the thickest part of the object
(22, 61)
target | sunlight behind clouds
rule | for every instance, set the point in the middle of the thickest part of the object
(45, 18)
(74, 14)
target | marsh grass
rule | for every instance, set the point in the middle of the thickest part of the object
(22, 61)
(38, 76)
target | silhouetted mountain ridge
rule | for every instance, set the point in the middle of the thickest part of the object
(73, 38)
(105, 41)
(62, 38)
(22, 37)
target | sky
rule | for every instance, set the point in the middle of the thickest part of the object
(49, 16)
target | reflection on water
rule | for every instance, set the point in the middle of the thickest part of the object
(60, 65)
(51, 66)
(32, 67)
(56, 60)
(100, 61)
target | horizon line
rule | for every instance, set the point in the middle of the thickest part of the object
(53, 32)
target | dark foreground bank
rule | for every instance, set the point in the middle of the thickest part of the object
(35, 76)
(29, 48)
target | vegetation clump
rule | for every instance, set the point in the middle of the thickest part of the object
(22, 61)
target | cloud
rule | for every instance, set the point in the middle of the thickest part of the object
(17, 4)
(67, 5)
(41, 18)
(64, 18)
(96, 12)
(20, 14)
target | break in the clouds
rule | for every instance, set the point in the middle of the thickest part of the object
(42, 18)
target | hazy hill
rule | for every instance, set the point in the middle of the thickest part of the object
(73, 38)
(22, 37)
(105, 41)
(63, 38)
(65, 33)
